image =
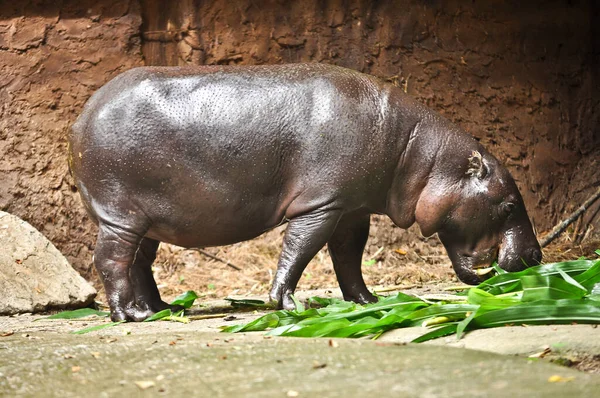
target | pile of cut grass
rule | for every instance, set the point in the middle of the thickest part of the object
(556, 293)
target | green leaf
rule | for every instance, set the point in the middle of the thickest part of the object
(590, 277)
(76, 314)
(97, 327)
(551, 293)
(542, 312)
(452, 311)
(544, 287)
(597, 252)
(324, 302)
(497, 268)
(354, 330)
(186, 300)
(462, 325)
(177, 318)
(511, 282)
(438, 320)
(160, 315)
(263, 323)
(568, 278)
(439, 332)
(241, 303)
(370, 262)
(488, 301)
(297, 303)
(317, 329)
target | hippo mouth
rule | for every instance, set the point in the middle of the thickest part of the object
(473, 268)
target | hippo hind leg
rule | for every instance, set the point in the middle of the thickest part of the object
(123, 260)
(145, 290)
(304, 237)
(346, 248)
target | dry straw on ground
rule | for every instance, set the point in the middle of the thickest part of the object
(401, 258)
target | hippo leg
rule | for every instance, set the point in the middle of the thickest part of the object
(346, 249)
(146, 293)
(114, 254)
(304, 237)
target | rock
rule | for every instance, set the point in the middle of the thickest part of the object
(34, 275)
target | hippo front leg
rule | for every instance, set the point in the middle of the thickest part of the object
(113, 258)
(346, 248)
(304, 237)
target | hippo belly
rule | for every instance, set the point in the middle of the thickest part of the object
(209, 160)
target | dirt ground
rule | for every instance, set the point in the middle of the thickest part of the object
(393, 258)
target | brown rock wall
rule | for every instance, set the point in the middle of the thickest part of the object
(521, 76)
(53, 56)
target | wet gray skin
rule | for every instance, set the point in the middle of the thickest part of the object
(213, 155)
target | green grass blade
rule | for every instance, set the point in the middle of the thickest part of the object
(488, 301)
(546, 287)
(462, 325)
(76, 314)
(497, 268)
(97, 327)
(572, 268)
(590, 277)
(511, 282)
(281, 330)
(263, 323)
(543, 312)
(298, 304)
(354, 331)
(376, 309)
(176, 318)
(324, 302)
(569, 279)
(160, 315)
(451, 311)
(562, 292)
(318, 329)
(439, 332)
(241, 303)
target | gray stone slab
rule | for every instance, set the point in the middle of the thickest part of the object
(515, 340)
(34, 275)
(216, 365)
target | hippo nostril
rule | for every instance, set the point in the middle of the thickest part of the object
(535, 256)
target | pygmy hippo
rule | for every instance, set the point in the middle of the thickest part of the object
(212, 155)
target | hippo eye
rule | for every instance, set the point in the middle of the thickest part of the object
(506, 208)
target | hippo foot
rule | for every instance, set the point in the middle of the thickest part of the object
(158, 306)
(130, 314)
(139, 313)
(282, 301)
(361, 297)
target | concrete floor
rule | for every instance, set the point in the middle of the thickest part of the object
(41, 358)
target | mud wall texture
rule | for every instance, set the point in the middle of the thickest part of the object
(521, 76)
(53, 56)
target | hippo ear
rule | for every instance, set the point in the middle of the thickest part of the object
(476, 166)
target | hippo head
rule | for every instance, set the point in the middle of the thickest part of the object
(479, 216)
